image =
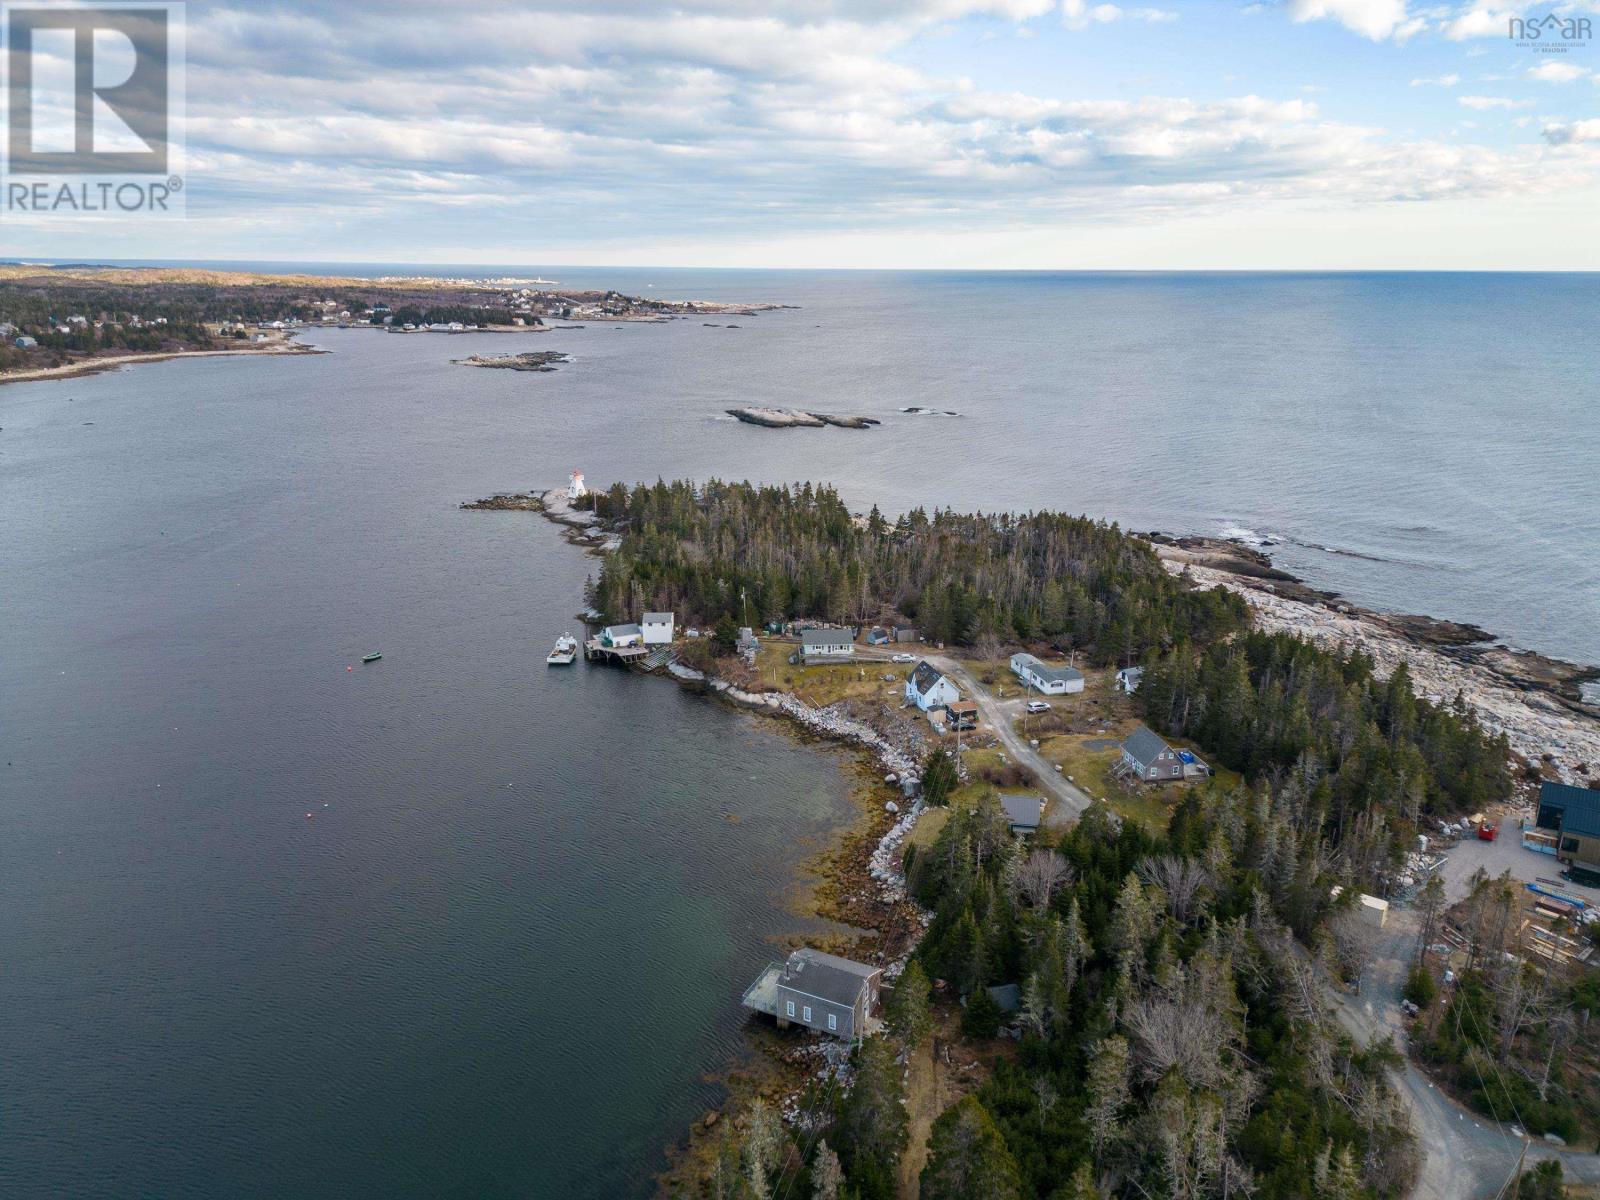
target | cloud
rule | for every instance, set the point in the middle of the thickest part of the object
(1448, 81)
(1079, 14)
(1484, 103)
(1557, 72)
(715, 120)
(1578, 131)
(1378, 20)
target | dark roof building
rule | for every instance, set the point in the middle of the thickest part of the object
(1022, 812)
(1574, 814)
(818, 990)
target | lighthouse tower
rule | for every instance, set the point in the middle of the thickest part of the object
(575, 489)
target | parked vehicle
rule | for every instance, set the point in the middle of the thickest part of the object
(1038, 706)
(902, 658)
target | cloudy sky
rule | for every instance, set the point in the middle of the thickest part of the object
(902, 133)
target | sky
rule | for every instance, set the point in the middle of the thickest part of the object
(1060, 134)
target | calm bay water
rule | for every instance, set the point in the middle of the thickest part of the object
(498, 958)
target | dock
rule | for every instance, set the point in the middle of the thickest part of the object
(594, 650)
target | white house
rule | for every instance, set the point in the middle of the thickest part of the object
(1128, 679)
(657, 628)
(826, 643)
(1042, 677)
(618, 637)
(928, 689)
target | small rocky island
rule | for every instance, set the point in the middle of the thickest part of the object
(793, 418)
(532, 360)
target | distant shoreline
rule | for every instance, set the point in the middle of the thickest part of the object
(95, 366)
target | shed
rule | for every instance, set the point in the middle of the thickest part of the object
(618, 636)
(1023, 813)
(657, 628)
(1129, 678)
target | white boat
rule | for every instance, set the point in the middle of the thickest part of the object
(566, 650)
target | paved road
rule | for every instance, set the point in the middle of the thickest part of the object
(1001, 716)
(1466, 1157)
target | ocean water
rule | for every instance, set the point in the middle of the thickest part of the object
(506, 947)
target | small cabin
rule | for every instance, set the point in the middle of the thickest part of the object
(657, 628)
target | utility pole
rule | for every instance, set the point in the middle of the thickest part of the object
(1521, 1158)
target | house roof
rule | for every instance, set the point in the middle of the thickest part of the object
(1007, 996)
(1580, 807)
(658, 618)
(1021, 810)
(925, 678)
(1045, 671)
(623, 630)
(826, 975)
(1134, 673)
(1145, 745)
(826, 637)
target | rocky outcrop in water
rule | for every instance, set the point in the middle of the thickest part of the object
(794, 418)
(533, 360)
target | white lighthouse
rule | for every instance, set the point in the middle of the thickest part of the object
(575, 489)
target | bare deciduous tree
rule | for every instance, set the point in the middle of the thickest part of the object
(1180, 880)
(1040, 874)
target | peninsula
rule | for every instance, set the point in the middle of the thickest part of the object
(1138, 929)
(62, 321)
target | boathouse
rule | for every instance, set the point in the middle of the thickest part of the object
(620, 637)
(821, 991)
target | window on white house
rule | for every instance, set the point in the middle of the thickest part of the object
(805, 1013)
(790, 1007)
(833, 1023)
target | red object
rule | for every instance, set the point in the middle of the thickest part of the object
(1487, 832)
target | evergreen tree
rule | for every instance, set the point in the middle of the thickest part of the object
(968, 1158)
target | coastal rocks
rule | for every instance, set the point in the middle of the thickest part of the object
(918, 411)
(835, 723)
(507, 502)
(1535, 722)
(533, 360)
(793, 418)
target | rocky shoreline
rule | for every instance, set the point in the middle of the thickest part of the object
(1536, 701)
(795, 418)
(532, 360)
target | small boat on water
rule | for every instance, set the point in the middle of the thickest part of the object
(565, 652)
(373, 657)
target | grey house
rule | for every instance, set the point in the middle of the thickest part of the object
(820, 991)
(826, 643)
(1147, 757)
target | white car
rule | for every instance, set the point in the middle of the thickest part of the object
(1038, 706)
(902, 658)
